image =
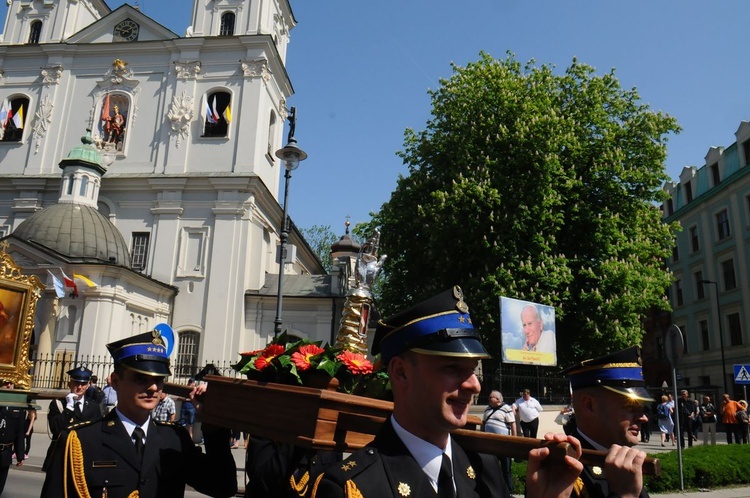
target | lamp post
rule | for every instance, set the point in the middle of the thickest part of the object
(721, 332)
(290, 156)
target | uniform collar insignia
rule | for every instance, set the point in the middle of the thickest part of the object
(470, 472)
(597, 470)
(111, 423)
(404, 489)
(348, 466)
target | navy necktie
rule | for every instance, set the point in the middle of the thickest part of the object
(445, 479)
(138, 436)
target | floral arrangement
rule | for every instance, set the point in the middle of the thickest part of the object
(308, 363)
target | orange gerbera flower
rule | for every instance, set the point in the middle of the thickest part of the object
(301, 358)
(268, 354)
(355, 363)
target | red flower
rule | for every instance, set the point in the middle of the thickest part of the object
(355, 363)
(268, 354)
(251, 353)
(302, 357)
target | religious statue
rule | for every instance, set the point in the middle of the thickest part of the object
(352, 334)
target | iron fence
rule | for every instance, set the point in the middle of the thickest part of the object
(50, 371)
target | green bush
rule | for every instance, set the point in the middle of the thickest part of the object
(703, 467)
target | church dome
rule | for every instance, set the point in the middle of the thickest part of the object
(345, 245)
(76, 231)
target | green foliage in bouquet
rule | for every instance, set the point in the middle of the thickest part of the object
(306, 362)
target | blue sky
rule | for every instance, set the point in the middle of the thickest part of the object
(361, 71)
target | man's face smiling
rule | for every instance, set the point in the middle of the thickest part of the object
(438, 391)
(619, 420)
(137, 393)
(532, 326)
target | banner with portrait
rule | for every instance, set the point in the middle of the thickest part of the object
(528, 332)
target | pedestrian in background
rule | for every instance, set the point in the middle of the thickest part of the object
(685, 411)
(729, 409)
(187, 411)
(707, 412)
(527, 410)
(30, 419)
(499, 418)
(664, 419)
(742, 421)
(110, 397)
(165, 410)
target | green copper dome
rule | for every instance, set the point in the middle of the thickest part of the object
(77, 232)
(85, 154)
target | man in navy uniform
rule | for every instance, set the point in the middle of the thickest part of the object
(431, 351)
(74, 408)
(128, 452)
(610, 402)
(12, 432)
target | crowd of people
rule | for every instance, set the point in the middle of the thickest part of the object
(122, 439)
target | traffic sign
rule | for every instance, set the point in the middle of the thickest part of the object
(674, 345)
(742, 374)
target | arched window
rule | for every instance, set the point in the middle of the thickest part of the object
(84, 184)
(12, 118)
(227, 24)
(217, 114)
(187, 354)
(35, 32)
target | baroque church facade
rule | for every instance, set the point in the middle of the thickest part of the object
(170, 205)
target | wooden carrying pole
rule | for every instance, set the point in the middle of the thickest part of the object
(321, 419)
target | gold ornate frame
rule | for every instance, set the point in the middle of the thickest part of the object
(19, 294)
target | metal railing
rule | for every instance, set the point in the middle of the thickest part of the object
(50, 371)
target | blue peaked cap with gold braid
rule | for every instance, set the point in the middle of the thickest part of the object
(144, 353)
(621, 372)
(440, 325)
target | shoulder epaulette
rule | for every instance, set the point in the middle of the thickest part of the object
(80, 424)
(166, 422)
(352, 466)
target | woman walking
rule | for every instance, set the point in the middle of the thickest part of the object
(664, 417)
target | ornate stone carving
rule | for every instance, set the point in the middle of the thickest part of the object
(283, 111)
(43, 119)
(51, 74)
(187, 69)
(257, 68)
(119, 77)
(180, 115)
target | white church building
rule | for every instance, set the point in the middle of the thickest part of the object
(170, 204)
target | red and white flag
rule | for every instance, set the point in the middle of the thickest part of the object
(70, 285)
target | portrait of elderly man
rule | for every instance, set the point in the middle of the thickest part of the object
(537, 339)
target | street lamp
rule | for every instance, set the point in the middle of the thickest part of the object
(290, 156)
(721, 333)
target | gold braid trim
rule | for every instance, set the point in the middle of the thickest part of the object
(77, 471)
(74, 452)
(301, 486)
(351, 490)
(579, 489)
(315, 486)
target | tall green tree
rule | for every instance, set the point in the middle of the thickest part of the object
(537, 186)
(321, 238)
